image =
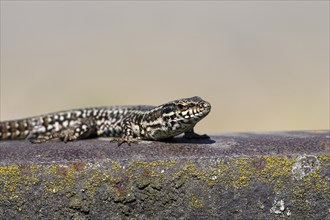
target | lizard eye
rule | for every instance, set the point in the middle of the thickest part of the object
(168, 109)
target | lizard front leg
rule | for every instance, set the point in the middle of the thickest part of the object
(131, 133)
(82, 128)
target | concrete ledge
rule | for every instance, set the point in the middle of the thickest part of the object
(233, 176)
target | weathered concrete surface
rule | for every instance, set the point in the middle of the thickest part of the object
(233, 176)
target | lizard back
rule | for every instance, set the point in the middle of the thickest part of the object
(107, 119)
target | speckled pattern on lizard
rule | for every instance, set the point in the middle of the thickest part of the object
(125, 123)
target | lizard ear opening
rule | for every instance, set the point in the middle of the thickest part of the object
(182, 107)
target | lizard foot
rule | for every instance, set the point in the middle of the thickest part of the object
(127, 140)
(192, 135)
(41, 138)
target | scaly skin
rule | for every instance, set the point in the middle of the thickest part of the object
(126, 123)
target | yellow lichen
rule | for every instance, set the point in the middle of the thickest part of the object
(195, 202)
(314, 181)
(236, 172)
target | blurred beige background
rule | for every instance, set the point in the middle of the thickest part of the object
(263, 65)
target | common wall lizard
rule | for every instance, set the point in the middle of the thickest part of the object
(126, 123)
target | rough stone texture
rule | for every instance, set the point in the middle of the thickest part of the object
(282, 175)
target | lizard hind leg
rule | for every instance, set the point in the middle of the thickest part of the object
(82, 128)
(39, 135)
(37, 138)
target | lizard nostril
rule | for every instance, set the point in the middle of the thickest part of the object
(204, 104)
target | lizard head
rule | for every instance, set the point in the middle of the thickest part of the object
(186, 111)
(178, 116)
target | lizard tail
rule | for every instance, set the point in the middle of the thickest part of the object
(18, 129)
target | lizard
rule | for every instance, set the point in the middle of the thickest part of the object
(124, 123)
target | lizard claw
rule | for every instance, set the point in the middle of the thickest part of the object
(127, 140)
